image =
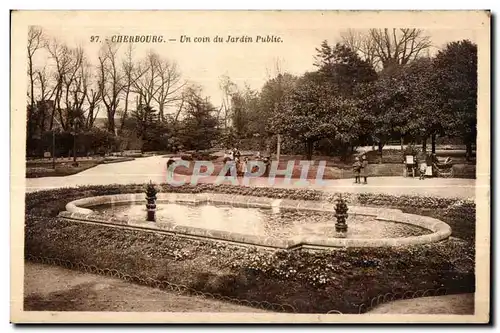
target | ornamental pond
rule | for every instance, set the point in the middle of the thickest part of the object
(267, 222)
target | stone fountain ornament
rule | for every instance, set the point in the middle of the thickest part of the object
(151, 201)
(341, 216)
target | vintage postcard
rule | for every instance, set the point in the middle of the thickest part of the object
(250, 166)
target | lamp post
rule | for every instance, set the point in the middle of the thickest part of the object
(74, 143)
(53, 149)
(54, 144)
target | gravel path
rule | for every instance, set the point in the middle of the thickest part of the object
(70, 290)
(143, 170)
(460, 304)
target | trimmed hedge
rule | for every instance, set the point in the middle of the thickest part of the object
(198, 157)
(314, 282)
(60, 171)
(117, 160)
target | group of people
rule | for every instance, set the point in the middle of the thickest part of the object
(360, 170)
(430, 166)
(425, 167)
(241, 164)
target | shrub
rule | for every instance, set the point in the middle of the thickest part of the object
(186, 157)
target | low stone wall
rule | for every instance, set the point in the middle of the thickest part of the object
(80, 210)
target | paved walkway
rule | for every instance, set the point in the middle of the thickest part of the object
(71, 290)
(143, 170)
(458, 304)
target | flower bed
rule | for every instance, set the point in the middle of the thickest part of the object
(329, 171)
(310, 281)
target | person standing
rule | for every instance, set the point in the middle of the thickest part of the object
(429, 162)
(364, 169)
(237, 153)
(170, 172)
(423, 168)
(267, 165)
(357, 169)
(236, 166)
(245, 166)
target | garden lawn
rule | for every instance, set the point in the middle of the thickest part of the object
(335, 170)
(61, 170)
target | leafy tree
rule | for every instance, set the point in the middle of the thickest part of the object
(343, 67)
(145, 118)
(324, 55)
(271, 101)
(199, 127)
(456, 82)
(427, 118)
(386, 103)
(314, 111)
(245, 114)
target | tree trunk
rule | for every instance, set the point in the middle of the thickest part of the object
(468, 151)
(402, 142)
(380, 146)
(424, 145)
(278, 148)
(433, 143)
(111, 125)
(309, 149)
(31, 110)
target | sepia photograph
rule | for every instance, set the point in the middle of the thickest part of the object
(250, 166)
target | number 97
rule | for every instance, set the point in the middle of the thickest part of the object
(94, 39)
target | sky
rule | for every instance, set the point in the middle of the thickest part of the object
(252, 63)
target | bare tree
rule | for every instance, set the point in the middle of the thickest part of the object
(386, 48)
(35, 42)
(189, 89)
(74, 82)
(42, 81)
(168, 86)
(92, 94)
(146, 78)
(228, 88)
(111, 82)
(46, 92)
(64, 65)
(128, 68)
(362, 42)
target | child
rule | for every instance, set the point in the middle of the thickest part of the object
(357, 171)
(245, 166)
(423, 169)
(170, 173)
(364, 168)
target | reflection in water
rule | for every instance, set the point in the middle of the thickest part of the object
(207, 216)
(261, 221)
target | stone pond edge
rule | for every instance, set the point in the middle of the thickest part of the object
(78, 210)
